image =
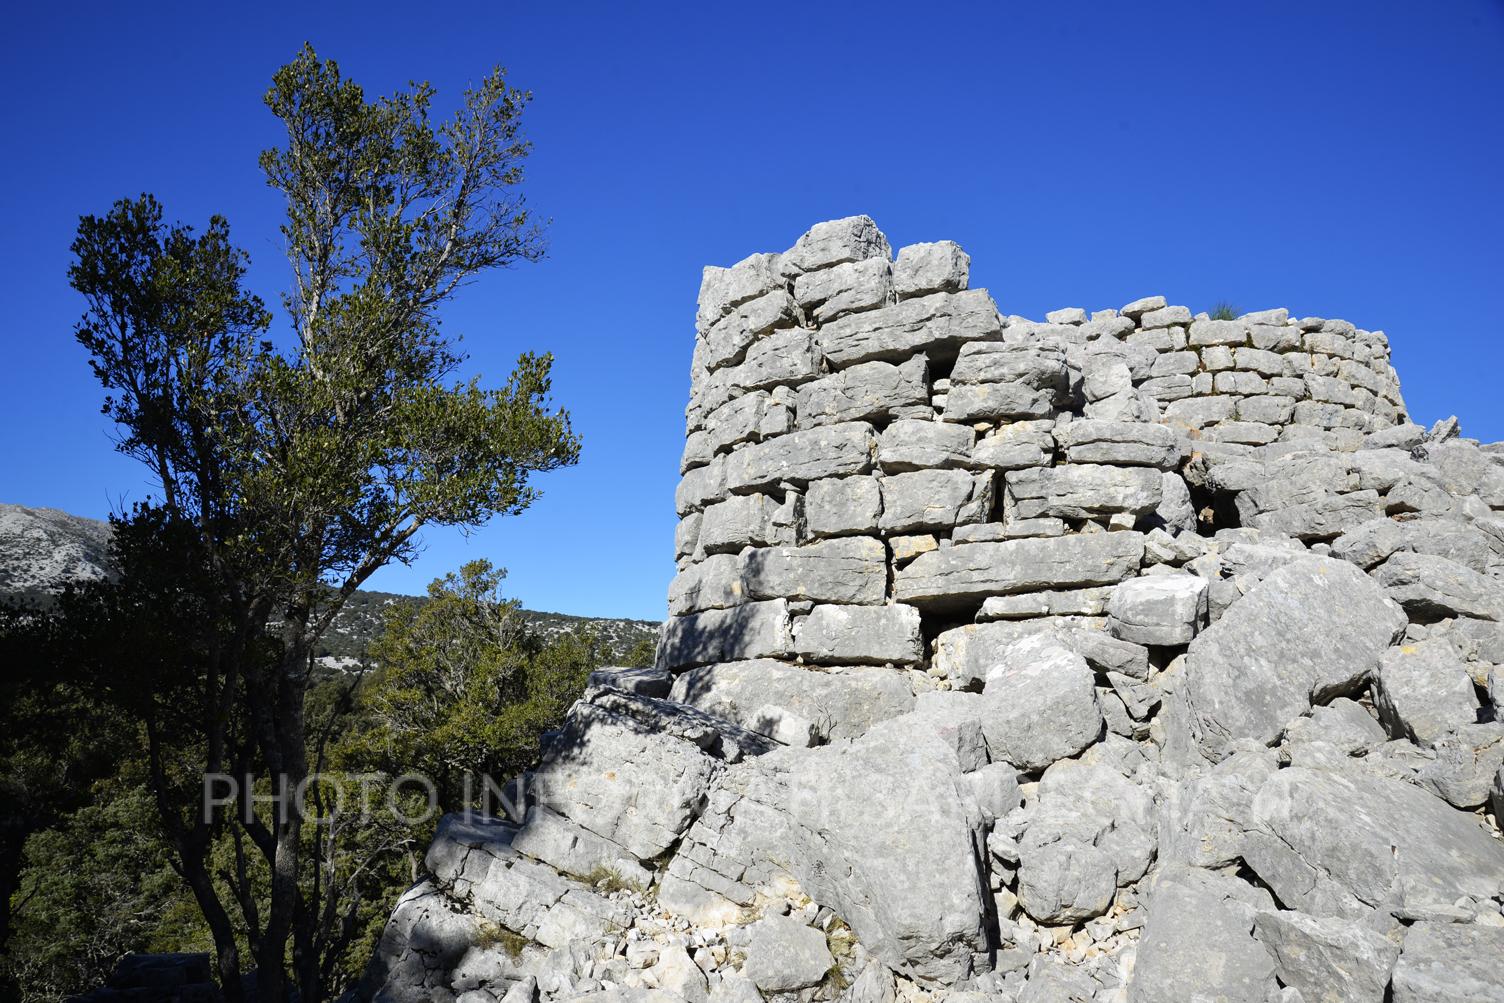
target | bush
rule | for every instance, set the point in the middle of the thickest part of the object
(463, 690)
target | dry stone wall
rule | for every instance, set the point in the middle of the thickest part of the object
(873, 451)
(1125, 658)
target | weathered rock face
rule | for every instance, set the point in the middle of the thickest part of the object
(1127, 656)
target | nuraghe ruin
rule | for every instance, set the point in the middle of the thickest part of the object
(1133, 655)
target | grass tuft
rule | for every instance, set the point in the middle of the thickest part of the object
(490, 934)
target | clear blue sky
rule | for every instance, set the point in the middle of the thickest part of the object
(1341, 159)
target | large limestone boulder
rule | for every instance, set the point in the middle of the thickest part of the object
(1433, 588)
(1199, 944)
(1341, 842)
(784, 955)
(1450, 963)
(1039, 704)
(1311, 630)
(633, 770)
(1422, 691)
(1328, 960)
(793, 704)
(902, 868)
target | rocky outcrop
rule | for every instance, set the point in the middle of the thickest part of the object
(1126, 656)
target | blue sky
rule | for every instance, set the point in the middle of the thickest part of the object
(1341, 159)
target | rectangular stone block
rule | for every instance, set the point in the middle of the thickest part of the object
(1029, 605)
(1272, 338)
(1198, 412)
(1236, 382)
(1360, 375)
(852, 238)
(843, 570)
(1215, 358)
(1037, 365)
(829, 451)
(905, 548)
(934, 500)
(842, 506)
(1219, 332)
(727, 340)
(1320, 415)
(1015, 446)
(721, 289)
(861, 635)
(752, 630)
(963, 575)
(713, 583)
(938, 324)
(930, 268)
(1277, 316)
(742, 521)
(866, 392)
(1155, 341)
(1081, 491)
(1271, 409)
(1250, 432)
(1165, 316)
(1169, 388)
(701, 486)
(1288, 386)
(697, 451)
(845, 288)
(1171, 363)
(1119, 443)
(1158, 609)
(786, 357)
(1330, 343)
(749, 418)
(974, 402)
(920, 445)
(687, 535)
(1259, 361)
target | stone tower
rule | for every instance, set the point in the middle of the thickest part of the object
(1129, 657)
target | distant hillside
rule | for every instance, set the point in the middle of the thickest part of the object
(42, 549)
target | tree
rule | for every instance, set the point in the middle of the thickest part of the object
(288, 474)
(463, 690)
(95, 887)
(58, 739)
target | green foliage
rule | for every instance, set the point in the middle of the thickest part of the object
(97, 886)
(1225, 311)
(641, 654)
(288, 473)
(462, 690)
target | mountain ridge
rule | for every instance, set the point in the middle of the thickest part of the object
(44, 549)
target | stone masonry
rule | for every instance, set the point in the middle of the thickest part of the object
(870, 445)
(1127, 657)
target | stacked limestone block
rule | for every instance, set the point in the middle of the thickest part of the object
(994, 675)
(854, 419)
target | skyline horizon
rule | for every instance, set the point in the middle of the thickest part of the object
(1358, 185)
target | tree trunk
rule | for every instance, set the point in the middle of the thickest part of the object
(226, 948)
(284, 748)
